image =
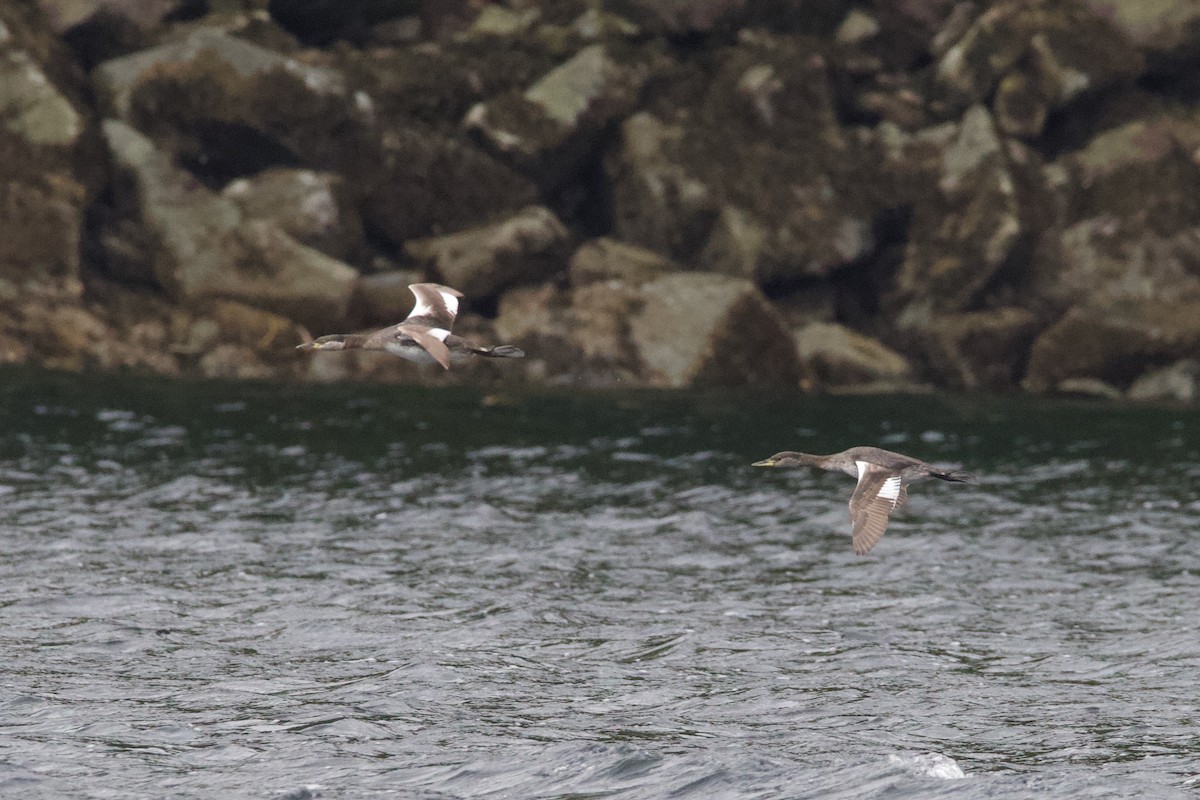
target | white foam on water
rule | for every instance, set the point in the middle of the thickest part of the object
(930, 765)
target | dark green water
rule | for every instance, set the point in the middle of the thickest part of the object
(277, 591)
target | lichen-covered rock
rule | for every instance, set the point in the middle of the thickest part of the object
(428, 183)
(31, 106)
(1163, 29)
(1103, 260)
(976, 349)
(580, 336)
(313, 207)
(42, 189)
(963, 233)
(606, 259)
(228, 107)
(482, 262)
(547, 130)
(799, 203)
(1138, 172)
(202, 247)
(42, 220)
(834, 356)
(699, 330)
(659, 202)
(1061, 46)
(1114, 344)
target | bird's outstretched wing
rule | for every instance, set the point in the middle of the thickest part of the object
(878, 494)
(431, 339)
(436, 307)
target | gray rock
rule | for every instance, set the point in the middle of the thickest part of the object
(659, 203)
(977, 349)
(481, 262)
(1063, 47)
(1137, 171)
(700, 330)
(1179, 382)
(427, 184)
(202, 247)
(66, 14)
(312, 207)
(547, 130)
(30, 104)
(833, 356)
(1162, 29)
(962, 235)
(1105, 260)
(119, 78)
(1113, 344)
(606, 259)
(579, 336)
(384, 298)
(43, 228)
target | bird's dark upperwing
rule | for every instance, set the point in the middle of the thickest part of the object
(436, 306)
(878, 494)
(427, 339)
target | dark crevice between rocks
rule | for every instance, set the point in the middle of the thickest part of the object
(1071, 127)
(229, 150)
(585, 203)
(104, 35)
(188, 10)
(861, 288)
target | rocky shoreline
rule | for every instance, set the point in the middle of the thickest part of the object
(822, 195)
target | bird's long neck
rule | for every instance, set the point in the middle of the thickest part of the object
(353, 341)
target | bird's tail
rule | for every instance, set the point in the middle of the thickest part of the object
(956, 476)
(501, 351)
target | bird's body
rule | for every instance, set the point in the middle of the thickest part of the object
(424, 337)
(883, 478)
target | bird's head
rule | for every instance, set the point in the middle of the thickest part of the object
(335, 341)
(785, 459)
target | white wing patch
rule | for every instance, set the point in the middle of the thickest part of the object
(890, 490)
(451, 303)
(862, 468)
(442, 333)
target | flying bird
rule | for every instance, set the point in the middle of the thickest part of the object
(423, 337)
(883, 478)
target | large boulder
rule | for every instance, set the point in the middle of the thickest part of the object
(201, 246)
(606, 259)
(659, 202)
(833, 356)
(552, 127)
(965, 230)
(797, 204)
(1163, 30)
(1107, 259)
(1114, 344)
(41, 194)
(976, 350)
(312, 207)
(1054, 50)
(1140, 172)
(579, 335)
(228, 107)
(698, 330)
(481, 262)
(428, 183)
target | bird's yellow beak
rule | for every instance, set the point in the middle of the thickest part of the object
(309, 346)
(766, 462)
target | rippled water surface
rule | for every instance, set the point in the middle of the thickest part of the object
(217, 590)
